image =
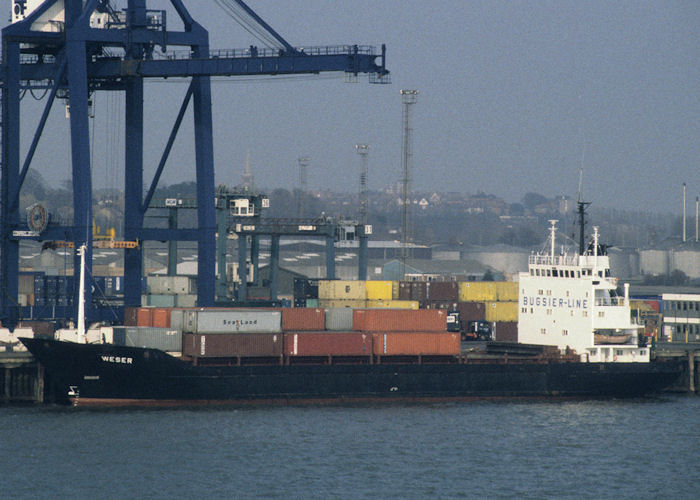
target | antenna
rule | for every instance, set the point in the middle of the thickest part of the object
(408, 98)
(363, 151)
(581, 207)
(303, 163)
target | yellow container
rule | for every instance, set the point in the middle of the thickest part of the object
(507, 291)
(501, 311)
(379, 290)
(392, 304)
(477, 291)
(342, 290)
(333, 303)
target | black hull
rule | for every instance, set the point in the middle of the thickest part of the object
(106, 374)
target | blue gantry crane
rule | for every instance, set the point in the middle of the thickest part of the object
(74, 48)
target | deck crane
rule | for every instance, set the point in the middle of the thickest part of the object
(73, 48)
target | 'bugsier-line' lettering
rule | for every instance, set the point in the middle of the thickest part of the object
(555, 302)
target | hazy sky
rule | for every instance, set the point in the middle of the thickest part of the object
(514, 97)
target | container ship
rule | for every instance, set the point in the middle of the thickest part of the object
(575, 339)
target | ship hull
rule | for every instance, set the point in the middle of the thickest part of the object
(116, 375)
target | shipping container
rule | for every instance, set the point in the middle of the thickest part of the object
(379, 290)
(398, 320)
(447, 305)
(501, 311)
(419, 291)
(505, 331)
(299, 302)
(477, 291)
(507, 291)
(339, 319)
(230, 345)
(143, 316)
(342, 289)
(160, 317)
(415, 343)
(186, 300)
(165, 339)
(404, 288)
(305, 288)
(170, 285)
(26, 283)
(303, 319)
(327, 344)
(311, 303)
(232, 321)
(131, 316)
(392, 304)
(443, 291)
(45, 328)
(395, 290)
(339, 303)
(160, 300)
(471, 311)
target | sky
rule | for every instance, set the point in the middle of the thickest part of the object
(514, 97)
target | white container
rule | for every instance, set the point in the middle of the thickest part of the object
(339, 319)
(232, 321)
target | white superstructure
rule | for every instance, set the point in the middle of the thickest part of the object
(571, 301)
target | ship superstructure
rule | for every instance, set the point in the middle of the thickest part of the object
(572, 302)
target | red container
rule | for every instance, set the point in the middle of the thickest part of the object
(160, 317)
(130, 316)
(226, 345)
(505, 331)
(143, 316)
(327, 344)
(471, 311)
(415, 343)
(39, 327)
(442, 304)
(399, 320)
(405, 290)
(419, 290)
(654, 304)
(443, 291)
(302, 318)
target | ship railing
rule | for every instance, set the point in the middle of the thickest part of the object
(557, 260)
(611, 301)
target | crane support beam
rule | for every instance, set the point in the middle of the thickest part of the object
(345, 58)
(72, 59)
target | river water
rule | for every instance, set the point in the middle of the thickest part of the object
(641, 448)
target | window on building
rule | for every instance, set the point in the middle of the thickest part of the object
(543, 331)
(619, 352)
(601, 314)
(565, 332)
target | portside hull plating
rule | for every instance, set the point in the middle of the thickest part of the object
(106, 374)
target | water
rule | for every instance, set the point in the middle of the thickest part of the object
(643, 448)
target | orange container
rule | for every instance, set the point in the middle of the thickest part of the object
(143, 316)
(415, 343)
(303, 318)
(400, 320)
(160, 317)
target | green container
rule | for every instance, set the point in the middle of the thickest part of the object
(311, 302)
(161, 300)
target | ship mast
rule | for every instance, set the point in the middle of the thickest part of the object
(81, 296)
